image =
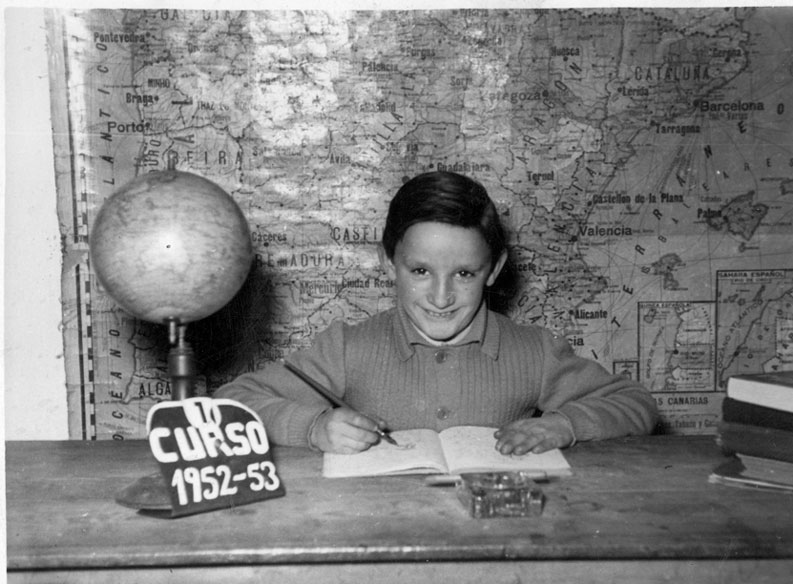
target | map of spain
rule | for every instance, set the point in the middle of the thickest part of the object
(641, 158)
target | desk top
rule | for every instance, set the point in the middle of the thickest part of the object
(631, 498)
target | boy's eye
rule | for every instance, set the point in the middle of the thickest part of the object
(419, 271)
(465, 274)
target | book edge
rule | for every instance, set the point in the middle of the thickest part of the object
(728, 474)
(752, 389)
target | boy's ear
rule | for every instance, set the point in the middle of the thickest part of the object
(385, 262)
(497, 267)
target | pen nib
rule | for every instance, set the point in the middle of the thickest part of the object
(387, 437)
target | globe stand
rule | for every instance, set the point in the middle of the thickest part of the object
(181, 361)
(150, 493)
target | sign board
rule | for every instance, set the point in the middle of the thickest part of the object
(213, 454)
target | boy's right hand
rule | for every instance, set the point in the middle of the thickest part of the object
(343, 431)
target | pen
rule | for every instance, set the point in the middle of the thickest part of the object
(332, 397)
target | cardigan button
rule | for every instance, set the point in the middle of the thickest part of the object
(442, 413)
(441, 356)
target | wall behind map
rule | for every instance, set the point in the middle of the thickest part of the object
(641, 159)
(34, 389)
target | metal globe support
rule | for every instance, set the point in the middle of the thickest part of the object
(181, 361)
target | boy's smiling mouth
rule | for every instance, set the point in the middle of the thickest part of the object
(447, 315)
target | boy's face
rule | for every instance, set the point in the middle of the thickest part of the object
(440, 272)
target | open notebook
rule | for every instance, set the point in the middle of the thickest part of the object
(455, 450)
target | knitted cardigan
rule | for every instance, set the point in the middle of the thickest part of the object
(499, 373)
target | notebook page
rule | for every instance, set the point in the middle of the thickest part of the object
(472, 449)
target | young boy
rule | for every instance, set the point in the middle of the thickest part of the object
(441, 358)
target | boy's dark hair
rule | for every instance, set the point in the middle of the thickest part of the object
(443, 197)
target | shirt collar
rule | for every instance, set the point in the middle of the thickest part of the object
(484, 330)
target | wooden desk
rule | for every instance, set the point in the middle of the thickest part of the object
(636, 510)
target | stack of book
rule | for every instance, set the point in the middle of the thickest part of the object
(756, 431)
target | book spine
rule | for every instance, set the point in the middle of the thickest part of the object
(741, 412)
(755, 441)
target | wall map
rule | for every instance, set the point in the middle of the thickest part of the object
(642, 160)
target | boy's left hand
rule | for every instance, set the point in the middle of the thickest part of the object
(534, 435)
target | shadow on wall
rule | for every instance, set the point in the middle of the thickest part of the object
(502, 293)
(229, 341)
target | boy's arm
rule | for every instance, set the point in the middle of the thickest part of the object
(598, 404)
(287, 406)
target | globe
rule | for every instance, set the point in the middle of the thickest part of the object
(171, 245)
